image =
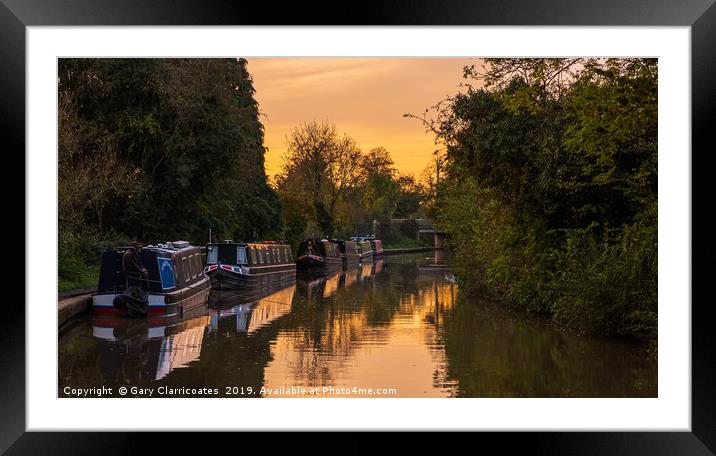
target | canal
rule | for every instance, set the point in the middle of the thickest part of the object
(396, 326)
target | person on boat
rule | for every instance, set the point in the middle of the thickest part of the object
(132, 265)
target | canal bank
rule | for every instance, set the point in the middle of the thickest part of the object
(72, 303)
(407, 250)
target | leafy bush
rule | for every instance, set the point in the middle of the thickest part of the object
(608, 286)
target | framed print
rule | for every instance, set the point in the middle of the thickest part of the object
(409, 218)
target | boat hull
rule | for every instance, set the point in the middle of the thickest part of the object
(367, 256)
(160, 304)
(222, 279)
(313, 262)
(350, 258)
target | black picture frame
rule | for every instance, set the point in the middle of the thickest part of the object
(700, 15)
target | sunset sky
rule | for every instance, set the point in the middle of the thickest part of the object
(364, 97)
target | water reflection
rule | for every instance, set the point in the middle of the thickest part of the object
(365, 270)
(147, 349)
(330, 284)
(393, 323)
(380, 333)
(249, 317)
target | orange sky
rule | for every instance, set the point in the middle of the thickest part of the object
(365, 97)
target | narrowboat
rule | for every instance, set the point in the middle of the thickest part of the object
(364, 249)
(349, 252)
(318, 254)
(246, 266)
(176, 281)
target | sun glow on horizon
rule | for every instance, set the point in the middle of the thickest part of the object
(364, 97)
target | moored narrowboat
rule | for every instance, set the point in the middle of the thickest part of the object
(349, 252)
(318, 254)
(364, 248)
(237, 266)
(174, 280)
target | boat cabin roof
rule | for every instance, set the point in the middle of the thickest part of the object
(345, 246)
(170, 266)
(248, 253)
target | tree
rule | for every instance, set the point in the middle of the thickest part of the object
(90, 170)
(430, 181)
(342, 190)
(549, 188)
(320, 167)
(378, 161)
(409, 198)
(160, 149)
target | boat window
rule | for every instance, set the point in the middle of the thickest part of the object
(193, 266)
(241, 255)
(227, 254)
(185, 267)
(212, 254)
(252, 250)
(261, 255)
(197, 264)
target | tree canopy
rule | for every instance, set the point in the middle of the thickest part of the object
(329, 187)
(160, 149)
